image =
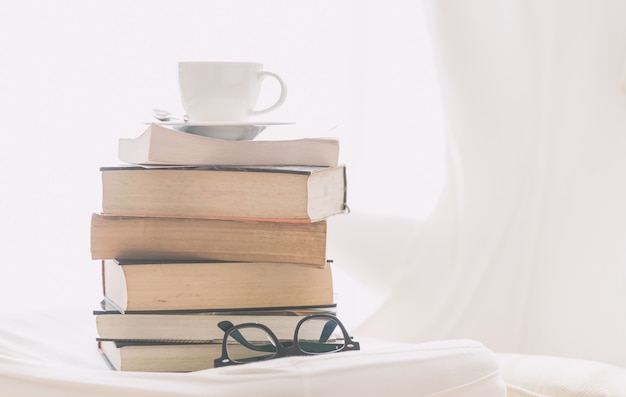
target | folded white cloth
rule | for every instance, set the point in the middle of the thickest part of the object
(542, 376)
(54, 354)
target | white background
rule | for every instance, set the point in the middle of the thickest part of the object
(75, 76)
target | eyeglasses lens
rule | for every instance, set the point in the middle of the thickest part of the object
(250, 344)
(320, 335)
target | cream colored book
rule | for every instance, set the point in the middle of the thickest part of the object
(162, 356)
(162, 145)
(203, 285)
(197, 325)
(278, 193)
(153, 238)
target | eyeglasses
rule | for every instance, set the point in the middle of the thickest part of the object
(314, 334)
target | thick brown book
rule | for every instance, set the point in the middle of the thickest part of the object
(162, 356)
(159, 285)
(131, 237)
(198, 325)
(164, 145)
(285, 193)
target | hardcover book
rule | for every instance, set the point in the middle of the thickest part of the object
(158, 238)
(160, 285)
(282, 193)
(197, 325)
(159, 356)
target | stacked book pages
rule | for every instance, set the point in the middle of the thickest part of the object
(195, 230)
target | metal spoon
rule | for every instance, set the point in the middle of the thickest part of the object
(164, 115)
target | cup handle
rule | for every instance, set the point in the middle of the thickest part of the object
(283, 93)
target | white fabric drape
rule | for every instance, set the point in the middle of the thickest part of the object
(527, 250)
(53, 354)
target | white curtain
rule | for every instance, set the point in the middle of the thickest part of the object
(527, 249)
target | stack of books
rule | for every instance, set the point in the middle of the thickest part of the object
(185, 244)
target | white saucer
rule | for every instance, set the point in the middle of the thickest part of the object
(234, 131)
(221, 123)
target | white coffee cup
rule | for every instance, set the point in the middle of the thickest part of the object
(224, 91)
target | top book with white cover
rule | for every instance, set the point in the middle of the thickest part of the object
(161, 145)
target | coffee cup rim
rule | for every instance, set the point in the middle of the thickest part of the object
(219, 62)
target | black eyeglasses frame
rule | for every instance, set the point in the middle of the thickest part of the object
(281, 350)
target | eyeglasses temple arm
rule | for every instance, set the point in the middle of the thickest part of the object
(328, 330)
